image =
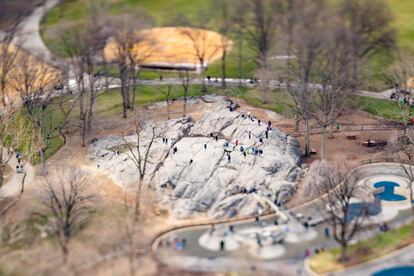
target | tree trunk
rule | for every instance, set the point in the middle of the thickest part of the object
(185, 102)
(42, 162)
(168, 108)
(323, 143)
(412, 195)
(89, 117)
(223, 69)
(240, 60)
(297, 121)
(124, 94)
(2, 166)
(138, 198)
(203, 77)
(344, 255)
(307, 142)
(134, 89)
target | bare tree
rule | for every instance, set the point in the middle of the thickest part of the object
(127, 35)
(68, 201)
(166, 92)
(371, 32)
(263, 31)
(332, 74)
(34, 80)
(238, 18)
(339, 208)
(402, 74)
(401, 145)
(205, 48)
(10, 26)
(140, 154)
(82, 46)
(306, 45)
(185, 83)
(225, 23)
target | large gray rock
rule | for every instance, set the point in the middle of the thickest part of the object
(210, 183)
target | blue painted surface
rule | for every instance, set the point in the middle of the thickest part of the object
(388, 194)
(396, 271)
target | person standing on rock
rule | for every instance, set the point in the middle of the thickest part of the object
(267, 134)
(221, 245)
(269, 124)
(191, 161)
(205, 146)
(259, 122)
(250, 135)
(175, 150)
(228, 157)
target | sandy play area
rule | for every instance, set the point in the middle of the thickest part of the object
(174, 46)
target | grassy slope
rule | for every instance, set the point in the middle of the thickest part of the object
(404, 22)
(364, 251)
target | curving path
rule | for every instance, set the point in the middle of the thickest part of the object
(13, 186)
(29, 37)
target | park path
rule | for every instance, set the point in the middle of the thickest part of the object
(30, 38)
(13, 186)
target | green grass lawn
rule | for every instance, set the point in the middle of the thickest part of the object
(382, 108)
(404, 22)
(364, 251)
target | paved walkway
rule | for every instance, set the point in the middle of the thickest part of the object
(30, 38)
(13, 186)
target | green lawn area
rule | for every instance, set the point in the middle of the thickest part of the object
(364, 251)
(404, 22)
(382, 108)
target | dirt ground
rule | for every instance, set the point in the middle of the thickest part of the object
(156, 220)
(174, 46)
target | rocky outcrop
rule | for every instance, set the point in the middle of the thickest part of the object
(219, 162)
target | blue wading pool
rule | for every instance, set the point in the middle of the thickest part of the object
(388, 193)
(396, 271)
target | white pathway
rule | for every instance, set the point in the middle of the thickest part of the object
(30, 38)
(13, 186)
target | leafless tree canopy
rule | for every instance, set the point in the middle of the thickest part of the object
(83, 46)
(140, 153)
(344, 216)
(401, 145)
(126, 33)
(67, 200)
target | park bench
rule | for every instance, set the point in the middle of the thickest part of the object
(351, 137)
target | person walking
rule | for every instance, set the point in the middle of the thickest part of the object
(326, 232)
(250, 135)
